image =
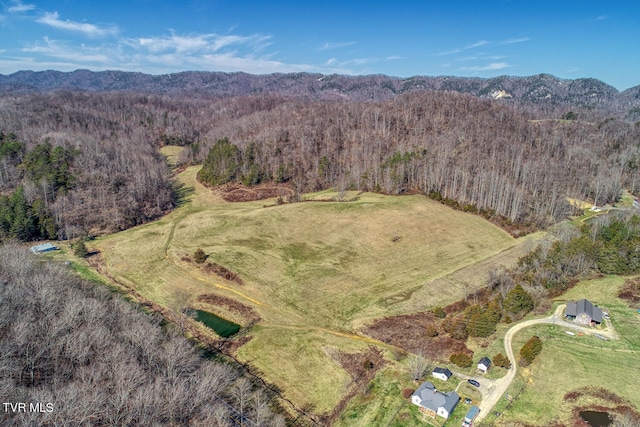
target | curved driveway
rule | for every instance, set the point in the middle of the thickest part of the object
(493, 390)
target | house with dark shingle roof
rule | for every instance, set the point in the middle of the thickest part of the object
(441, 373)
(583, 311)
(484, 364)
(432, 402)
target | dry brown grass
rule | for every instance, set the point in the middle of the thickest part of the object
(314, 273)
(230, 304)
(630, 291)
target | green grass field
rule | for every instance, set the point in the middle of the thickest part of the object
(315, 272)
(570, 362)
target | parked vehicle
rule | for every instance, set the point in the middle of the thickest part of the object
(474, 383)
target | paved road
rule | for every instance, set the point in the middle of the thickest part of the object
(493, 390)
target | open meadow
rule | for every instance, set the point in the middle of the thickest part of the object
(312, 273)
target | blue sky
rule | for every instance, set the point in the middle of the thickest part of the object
(483, 38)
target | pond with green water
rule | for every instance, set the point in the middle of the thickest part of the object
(221, 326)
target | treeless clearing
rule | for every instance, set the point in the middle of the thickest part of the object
(171, 152)
(314, 273)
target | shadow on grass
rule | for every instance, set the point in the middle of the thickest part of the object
(182, 194)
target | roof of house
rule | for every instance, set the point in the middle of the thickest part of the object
(45, 247)
(485, 361)
(473, 412)
(584, 306)
(433, 399)
(444, 371)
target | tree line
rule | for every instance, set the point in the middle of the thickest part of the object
(89, 358)
(519, 164)
(25, 213)
(605, 245)
(68, 168)
(479, 154)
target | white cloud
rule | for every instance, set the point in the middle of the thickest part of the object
(491, 67)
(165, 53)
(334, 62)
(330, 45)
(203, 43)
(83, 55)
(481, 58)
(467, 47)
(19, 7)
(449, 52)
(519, 40)
(476, 44)
(91, 30)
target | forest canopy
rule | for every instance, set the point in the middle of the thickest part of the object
(474, 152)
(92, 160)
(94, 359)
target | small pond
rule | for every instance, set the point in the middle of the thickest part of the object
(596, 418)
(223, 327)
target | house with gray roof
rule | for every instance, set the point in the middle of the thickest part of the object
(432, 402)
(583, 311)
(441, 373)
(43, 248)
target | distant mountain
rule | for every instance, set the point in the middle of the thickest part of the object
(542, 91)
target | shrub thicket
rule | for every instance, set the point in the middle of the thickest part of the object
(530, 350)
(461, 359)
(199, 256)
(80, 249)
(501, 361)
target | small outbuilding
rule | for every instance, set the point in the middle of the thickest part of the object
(470, 417)
(43, 248)
(484, 364)
(442, 374)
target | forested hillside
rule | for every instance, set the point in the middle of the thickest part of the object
(85, 357)
(476, 152)
(74, 163)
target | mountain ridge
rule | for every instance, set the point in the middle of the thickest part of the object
(540, 89)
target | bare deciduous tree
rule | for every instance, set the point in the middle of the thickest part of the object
(418, 366)
(102, 362)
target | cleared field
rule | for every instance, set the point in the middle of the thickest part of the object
(171, 152)
(314, 271)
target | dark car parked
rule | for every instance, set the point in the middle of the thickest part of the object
(474, 383)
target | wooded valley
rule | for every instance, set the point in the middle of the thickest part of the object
(76, 163)
(97, 360)
(79, 164)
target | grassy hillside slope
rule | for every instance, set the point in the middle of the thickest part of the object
(314, 272)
